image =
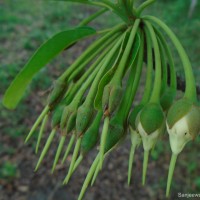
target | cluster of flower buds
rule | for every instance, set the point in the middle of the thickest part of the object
(100, 88)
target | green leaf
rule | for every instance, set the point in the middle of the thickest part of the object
(45, 53)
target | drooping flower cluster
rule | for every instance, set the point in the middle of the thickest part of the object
(94, 91)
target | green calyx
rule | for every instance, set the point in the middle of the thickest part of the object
(178, 110)
(57, 115)
(91, 135)
(68, 119)
(151, 117)
(58, 92)
(193, 119)
(112, 96)
(115, 133)
(133, 115)
(167, 98)
(84, 117)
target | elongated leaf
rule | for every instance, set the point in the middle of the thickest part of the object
(41, 57)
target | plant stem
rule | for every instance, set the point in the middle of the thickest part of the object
(92, 17)
(90, 50)
(103, 48)
(132, 83)
(83, 78)
(103, 141)
(190, 91)
(173, 81)
(155, 97)
(113, 8)
(131, 3)
(83, 85)
(133, 9)
(163, 66)
(120, 70)
(107, 60)
(129, 11)
(148, 84)
(94, 76)
(143, 6)
(104, 31)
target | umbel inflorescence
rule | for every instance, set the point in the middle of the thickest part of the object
(94, 91)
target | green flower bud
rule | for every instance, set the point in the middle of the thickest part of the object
(115, 98)
(133, 115)
(114, 135)
(68, 119)
(150, 123)
(112, 96)
(105, 97)
(71, 122)
(85, 115)
(57, 93)
(90, 137)
(167, 99)
(57, 114)
(182, 124)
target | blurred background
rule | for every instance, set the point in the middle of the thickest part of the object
(24, 26)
